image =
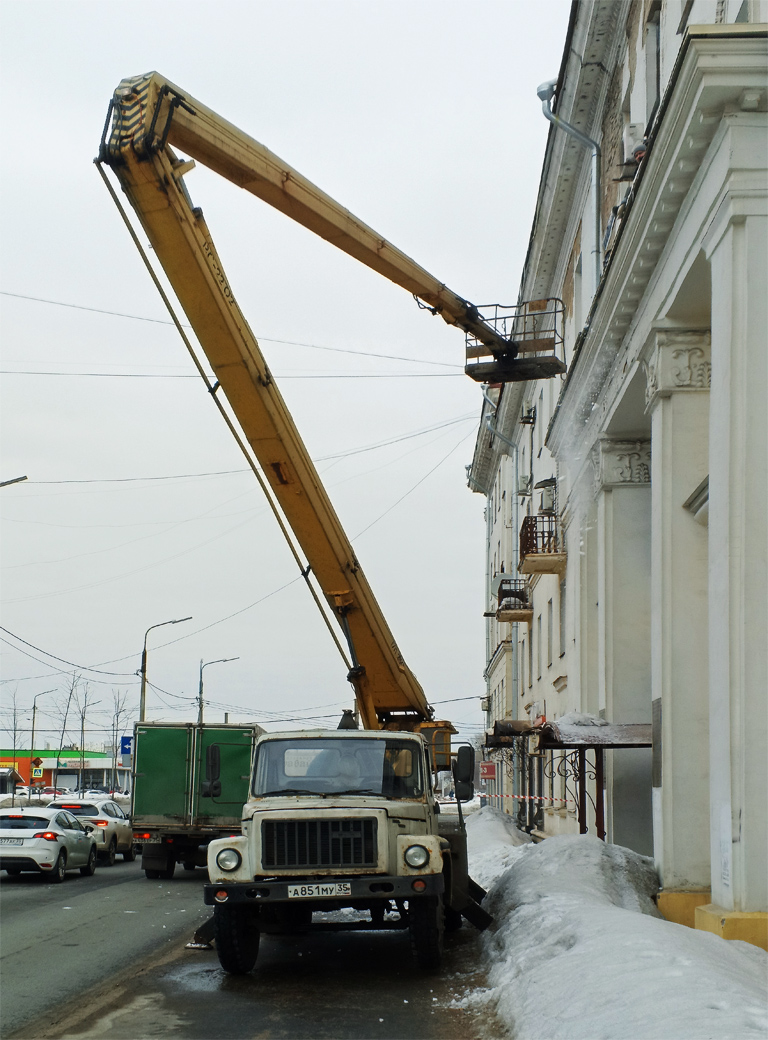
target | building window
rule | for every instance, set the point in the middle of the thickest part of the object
(538, 646)
(550, 632)
(562, 618)
(530, 659)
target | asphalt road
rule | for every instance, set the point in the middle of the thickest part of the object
(60, 940)
(105, 956)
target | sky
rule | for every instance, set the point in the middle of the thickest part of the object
(420, 117)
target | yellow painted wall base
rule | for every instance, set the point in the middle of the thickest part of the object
(680, 907)
(734, 924)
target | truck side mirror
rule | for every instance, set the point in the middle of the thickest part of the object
(463, 773)
(211, 786)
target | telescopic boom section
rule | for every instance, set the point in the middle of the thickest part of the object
(148, 115)
(150, 112)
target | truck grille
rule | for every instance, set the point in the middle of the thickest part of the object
(319, 843)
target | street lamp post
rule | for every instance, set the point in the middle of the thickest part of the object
(143, 669)
(221, 660)
(32, 742)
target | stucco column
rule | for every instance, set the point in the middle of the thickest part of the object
(677, 364)
(623, 493)
(737, 247)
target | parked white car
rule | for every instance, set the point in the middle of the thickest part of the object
(47, 840)
(113, 834)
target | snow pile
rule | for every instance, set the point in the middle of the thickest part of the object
(493, 842)
(579, 718)
(579, 950)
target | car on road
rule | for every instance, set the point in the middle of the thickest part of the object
(49, 841)
(113, 834)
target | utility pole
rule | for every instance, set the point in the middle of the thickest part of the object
(32, 742)
(143, 669)
(221, 660)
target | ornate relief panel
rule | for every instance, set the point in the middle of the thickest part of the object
(620, 463)
(675, 360)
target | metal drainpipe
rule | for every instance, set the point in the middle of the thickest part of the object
(489, 422)
(546, 92)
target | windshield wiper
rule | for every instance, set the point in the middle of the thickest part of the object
(351, 790)
(286, 790)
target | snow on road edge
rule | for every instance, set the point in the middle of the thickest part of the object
(580, 952)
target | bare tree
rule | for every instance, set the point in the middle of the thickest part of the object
(64, 715)
(83, 702)
(14, 729)
(119, 712)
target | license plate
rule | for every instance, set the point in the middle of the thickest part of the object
(11, 841)
(344, 888)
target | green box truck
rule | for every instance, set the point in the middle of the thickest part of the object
(175, 809)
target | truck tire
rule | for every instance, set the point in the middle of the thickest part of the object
(236, 934)
(453, 919)
(169, 870)
(129, 855)
(426, 925)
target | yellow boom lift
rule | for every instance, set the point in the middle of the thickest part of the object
(148, 118)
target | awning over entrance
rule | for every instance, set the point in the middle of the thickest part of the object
(575, 735)
(554, 735)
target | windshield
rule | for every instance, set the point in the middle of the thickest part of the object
(324, 766)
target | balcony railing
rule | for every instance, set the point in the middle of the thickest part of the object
(541, 547)
(534, 333)
(514, 600)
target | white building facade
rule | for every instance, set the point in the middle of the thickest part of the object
(645, 463)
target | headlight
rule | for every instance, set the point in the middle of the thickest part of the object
(228, 859)
(416, 856)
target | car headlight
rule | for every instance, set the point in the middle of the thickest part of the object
(229, 859)
(416, 856)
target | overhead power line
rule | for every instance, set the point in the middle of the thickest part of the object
(264, 339)
(189, 375)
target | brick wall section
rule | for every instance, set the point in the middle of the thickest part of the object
(612, 146)
(567, 291)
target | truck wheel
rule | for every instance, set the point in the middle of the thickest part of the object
(129, 855)
(169, 870)
(191, 867)
(453, 919)
(236, 933)
(426, 923)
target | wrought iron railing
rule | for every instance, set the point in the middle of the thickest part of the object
(514, 594)
(539, 535)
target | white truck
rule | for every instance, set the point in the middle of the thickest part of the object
(339, 819)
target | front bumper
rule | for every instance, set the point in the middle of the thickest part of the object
(363, 889)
